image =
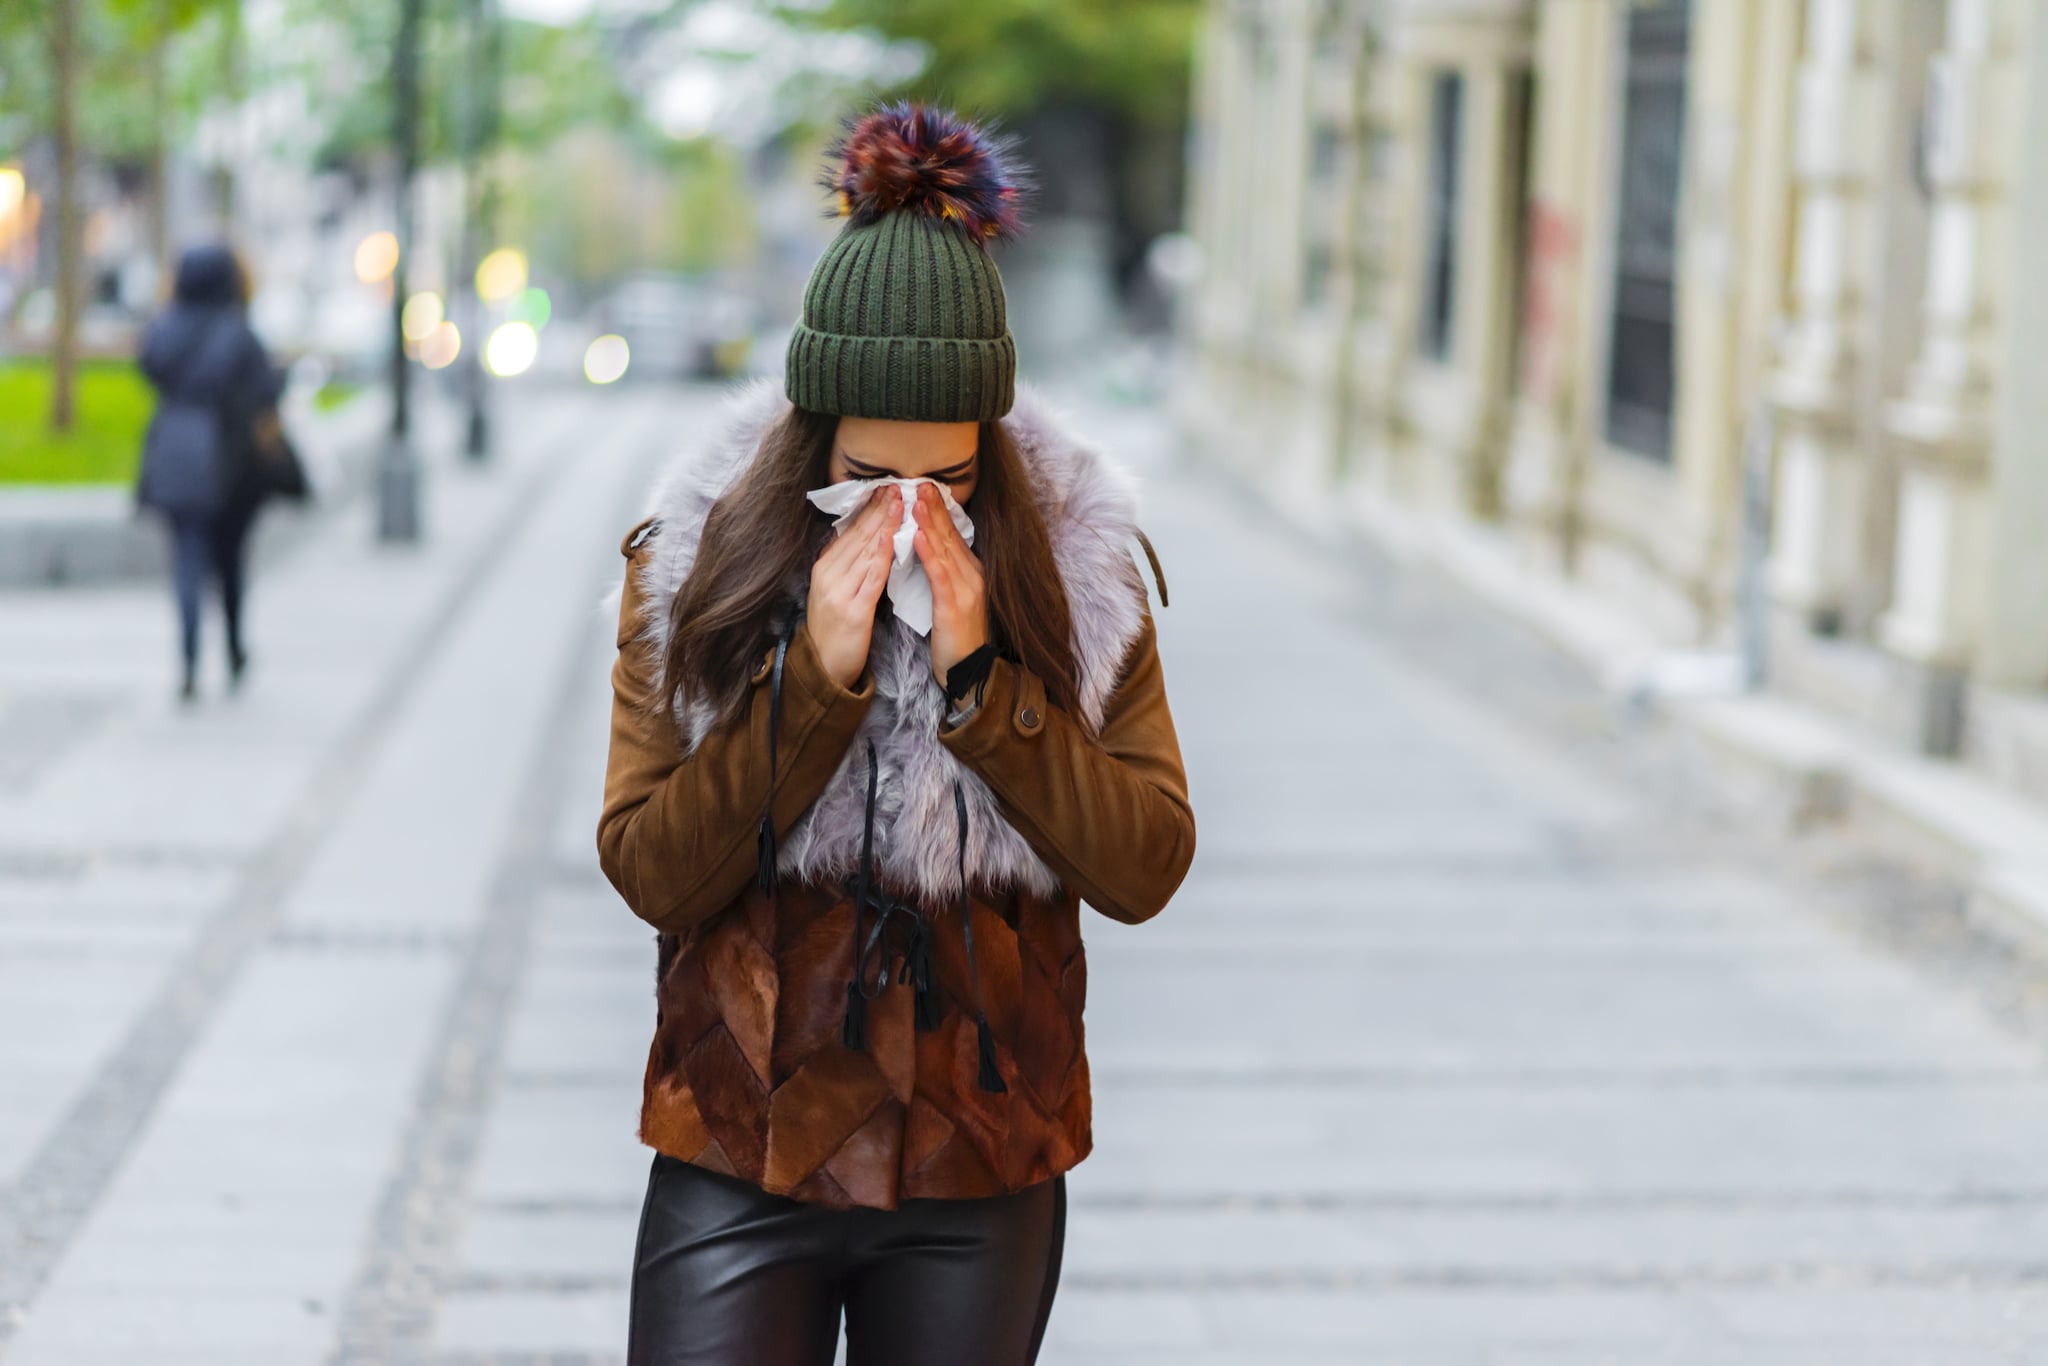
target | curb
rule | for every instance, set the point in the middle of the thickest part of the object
(58, 536)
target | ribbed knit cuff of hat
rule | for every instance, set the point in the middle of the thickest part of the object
(911, 379)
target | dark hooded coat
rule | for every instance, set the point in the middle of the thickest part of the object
(201, 350)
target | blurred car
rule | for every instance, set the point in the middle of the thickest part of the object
(679, 327)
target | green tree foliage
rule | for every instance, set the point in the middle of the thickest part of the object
(1009, 57)
(554, 79)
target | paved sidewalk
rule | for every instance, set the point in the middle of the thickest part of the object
(1475, 1036)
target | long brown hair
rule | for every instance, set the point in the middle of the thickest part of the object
(761, 537)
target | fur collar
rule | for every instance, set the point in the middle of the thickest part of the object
(1090, 511)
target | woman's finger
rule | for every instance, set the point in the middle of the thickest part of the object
(872, 575)
(948, 533)
(933, 517)
(934, 561)
(859, 536)
(952, 555)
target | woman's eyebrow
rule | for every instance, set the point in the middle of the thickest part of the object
(855, 462)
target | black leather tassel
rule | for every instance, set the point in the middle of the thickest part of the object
(764, 858)
(928, 1009)
(990, 1079)
(853, 1032)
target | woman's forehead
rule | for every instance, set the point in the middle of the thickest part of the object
(908, 449)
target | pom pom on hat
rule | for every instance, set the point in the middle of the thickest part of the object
(907, 157)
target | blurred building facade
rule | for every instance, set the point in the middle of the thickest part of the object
(1536, 271)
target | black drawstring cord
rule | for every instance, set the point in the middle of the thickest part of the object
(917, 953)
(764, 843)
(990, 1078)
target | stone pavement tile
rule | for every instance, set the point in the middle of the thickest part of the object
(161, 1354)
(1769, 1241)
(80, 889)
(1489, 903)
(522, 1321)
(561, 1145)
(326, 627)
(441, 788)
(1417, 1325)
(61, 1013)
(1495, 1138)
(573, 838)
(570, 1243)
(1254, 829)
(235, 1220)
(1634, 1008)
(1711, 1354)
(576, 1016)
(1093, 1320)
(1056, 1354)
(147, 1328)
(577, 928)
(1988, 1317)
(255, 1174)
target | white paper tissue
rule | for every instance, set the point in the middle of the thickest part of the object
(909, 590)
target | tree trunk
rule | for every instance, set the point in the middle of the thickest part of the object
(231, 81)
(70, 234)
(160, 162)
(405, 132)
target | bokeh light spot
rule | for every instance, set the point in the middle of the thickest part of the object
(511, 349)
(376, 257)
(423, 313)
(440, 347)
(532, 305)
(605, 359)
(501, 274)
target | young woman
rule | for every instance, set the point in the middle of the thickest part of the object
(216, 387)
(861, 797)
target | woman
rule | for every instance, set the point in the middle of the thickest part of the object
(202, 467)
(863, 846)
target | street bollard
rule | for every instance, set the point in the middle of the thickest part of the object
(398, 492)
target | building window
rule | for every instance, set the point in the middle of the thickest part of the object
(1640, 367)
(1440, 226)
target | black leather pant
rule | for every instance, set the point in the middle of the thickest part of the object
(726, 1274)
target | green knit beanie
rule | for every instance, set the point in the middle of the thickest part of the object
(903, 316)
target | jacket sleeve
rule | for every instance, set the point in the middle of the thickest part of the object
(1110, 816)
(677, 835)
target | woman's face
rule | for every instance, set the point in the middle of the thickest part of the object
(880, 448)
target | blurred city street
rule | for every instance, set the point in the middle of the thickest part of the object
(1479, 1034)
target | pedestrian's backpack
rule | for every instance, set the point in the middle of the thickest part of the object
(183, 455)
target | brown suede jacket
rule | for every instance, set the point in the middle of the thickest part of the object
(752, 1071)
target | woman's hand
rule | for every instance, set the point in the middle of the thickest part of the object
(959, 597)
(846, 582)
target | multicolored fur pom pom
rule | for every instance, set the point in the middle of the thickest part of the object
(922, 159)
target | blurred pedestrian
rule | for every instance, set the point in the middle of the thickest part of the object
(861, 774)
(215, 449)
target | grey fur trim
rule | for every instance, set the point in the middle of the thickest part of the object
(1090, 511)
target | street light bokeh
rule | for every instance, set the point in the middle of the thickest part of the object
(501, 275)
(423, 313)
(606, 359)
(441, 345)
(376, 257)
(512, 349)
